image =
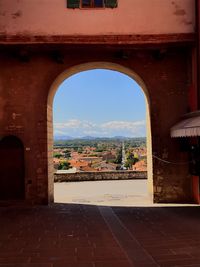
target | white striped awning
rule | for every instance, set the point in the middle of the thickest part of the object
(189, 126)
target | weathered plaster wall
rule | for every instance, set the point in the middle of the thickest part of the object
(98, 176)
(24, 89)
(51, 17)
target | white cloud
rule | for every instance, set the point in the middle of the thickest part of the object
(76, 127)
(58, 132)
(96, 132)
(68, 124)
(131, 125)
(73, 124)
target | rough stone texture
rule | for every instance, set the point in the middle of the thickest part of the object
(25, 85)
(97, 176)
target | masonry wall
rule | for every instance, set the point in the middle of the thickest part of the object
(51, 17)
(98, 176)
(24, 89)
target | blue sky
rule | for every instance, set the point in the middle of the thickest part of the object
(99, 103)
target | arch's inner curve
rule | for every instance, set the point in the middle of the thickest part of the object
(85, 67)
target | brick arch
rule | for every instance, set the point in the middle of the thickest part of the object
(85, 67)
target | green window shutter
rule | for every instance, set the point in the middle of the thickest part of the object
(111, 3)
(73, 3)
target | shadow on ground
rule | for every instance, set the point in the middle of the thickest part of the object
(86, 235)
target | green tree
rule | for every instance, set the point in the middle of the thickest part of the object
(67, 153)
(80, 150)
(131, 159)
(57, 155)
(119, 157)
(64, 165)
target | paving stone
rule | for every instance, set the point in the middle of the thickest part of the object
(80, 236)
(27, 265)
(14, 260)
(113, 264)
(76, 264)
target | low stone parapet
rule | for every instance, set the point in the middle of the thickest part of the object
(98, 176)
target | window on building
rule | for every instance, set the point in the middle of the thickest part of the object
(91, 3)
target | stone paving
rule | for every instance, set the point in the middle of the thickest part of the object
(70, 235)
(105, 193)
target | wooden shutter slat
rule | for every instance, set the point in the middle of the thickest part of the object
(111, 3)
(73, 3)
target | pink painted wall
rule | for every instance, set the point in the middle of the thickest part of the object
(51, 17)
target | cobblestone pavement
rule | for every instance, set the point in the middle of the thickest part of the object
(69, 235)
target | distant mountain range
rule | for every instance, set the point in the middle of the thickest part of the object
(63, 137)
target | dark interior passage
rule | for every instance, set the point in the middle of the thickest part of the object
(11, 168)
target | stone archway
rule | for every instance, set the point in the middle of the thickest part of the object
(91, 66)
(12, 184)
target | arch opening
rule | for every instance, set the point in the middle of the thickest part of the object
(12, 184)
(94, 66)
